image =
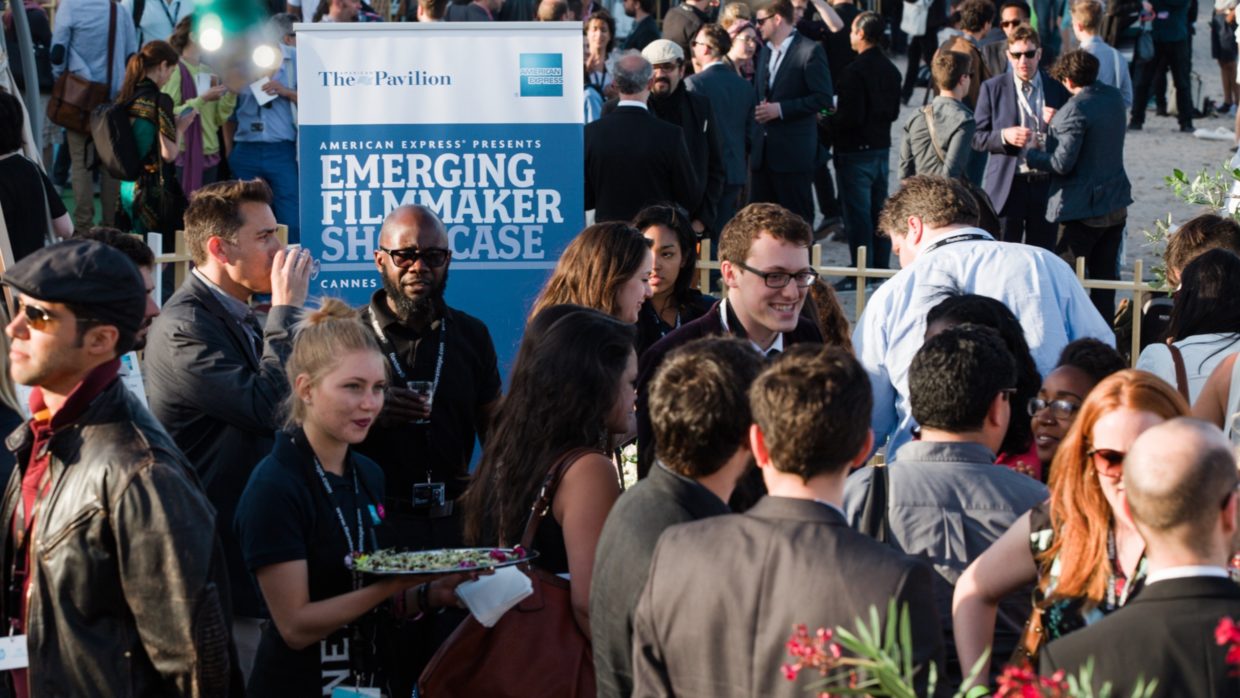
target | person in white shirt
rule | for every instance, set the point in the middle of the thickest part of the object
(932, 223)
(155, 19)
(1180, 482)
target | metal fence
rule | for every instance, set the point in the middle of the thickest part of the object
(1137, 285)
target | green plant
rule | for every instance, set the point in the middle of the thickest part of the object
(1206, 188)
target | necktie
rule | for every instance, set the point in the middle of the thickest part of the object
(776, 55)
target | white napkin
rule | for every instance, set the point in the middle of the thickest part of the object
(489, 597)
(256, 89)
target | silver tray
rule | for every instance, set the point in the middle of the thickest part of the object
(486, 559)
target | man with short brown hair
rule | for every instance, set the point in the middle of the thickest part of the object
(215, 373)
(766, 268)
(932, 222)
(700, 412)
(725, 592)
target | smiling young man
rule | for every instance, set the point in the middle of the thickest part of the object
(766, 268)
(112, 565)
(215, 374)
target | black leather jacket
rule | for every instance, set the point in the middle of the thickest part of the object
(126, 595)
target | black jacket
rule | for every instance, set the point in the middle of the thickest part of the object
(802, 88)
(128, 595)
(696, 119)
(643, 33)
(869, 102)
(622, 561)
(634, 159)
(1165, 632)
(680, 25)
(220, 403)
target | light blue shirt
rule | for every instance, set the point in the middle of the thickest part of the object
(82, 29)
(1039, 288)
(273, 123)
(159, 17)
(1112, 66)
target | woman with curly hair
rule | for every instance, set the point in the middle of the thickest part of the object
(606, 267)
(1079, 548)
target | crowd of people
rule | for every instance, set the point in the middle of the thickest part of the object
(699, 474)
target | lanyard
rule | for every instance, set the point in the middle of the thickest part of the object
(955, 239)
(357, 508)
(390, 349)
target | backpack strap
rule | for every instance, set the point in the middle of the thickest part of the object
(928, 112)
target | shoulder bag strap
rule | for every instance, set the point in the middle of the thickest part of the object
(1233, 403)
(928, 112)
(874, 512)
(1116, 58)
(1181, 374)
(542, 504)
(111, 41)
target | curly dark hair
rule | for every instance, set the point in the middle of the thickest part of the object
(1093, 356)
(988, 312)
(955, 376)
(559, 394)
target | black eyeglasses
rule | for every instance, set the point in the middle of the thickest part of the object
(434, 257)
(1017, 55)
(1060, 409)
(780, 279)
(39, 318)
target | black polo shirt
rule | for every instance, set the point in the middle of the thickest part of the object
(468, 382)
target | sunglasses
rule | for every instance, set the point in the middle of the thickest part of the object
(1060, 409)
(1030, 54)
(1011, 23)
(405, 257)
(39, 318)
(759, 21)
(1107, 461)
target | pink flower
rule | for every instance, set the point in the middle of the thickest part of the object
(1226, 632)
(791, 671)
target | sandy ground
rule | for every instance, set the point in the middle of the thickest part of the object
(1149, 156)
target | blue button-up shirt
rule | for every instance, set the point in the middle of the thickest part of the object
(1112, 66)
(1039, 288)
(82, 31)
(273, 123)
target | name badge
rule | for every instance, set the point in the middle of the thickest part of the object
(429, 494)
(342, 692)
(13, 653)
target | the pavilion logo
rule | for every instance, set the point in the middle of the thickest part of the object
(383, 78)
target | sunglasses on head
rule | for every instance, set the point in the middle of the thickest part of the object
(1017, 55)
(1107, 461)
(407, 256)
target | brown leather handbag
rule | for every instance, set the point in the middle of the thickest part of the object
(74, 97)
(536, 648)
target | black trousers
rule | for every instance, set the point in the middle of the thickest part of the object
(1023, 217)
(920, 48)
(792, 190)
(1167, 54)
(1100, 248)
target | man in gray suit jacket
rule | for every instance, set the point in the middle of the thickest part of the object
(732, 100)
(724, 593)
(1089, 189)
(699, 406)
(793, 84)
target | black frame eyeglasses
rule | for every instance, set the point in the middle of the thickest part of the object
(780, 279)
(1062, 410)
(406, 257)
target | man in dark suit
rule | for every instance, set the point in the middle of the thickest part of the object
(215, 375)
(861, 129)
(644, 29)
(793, 85)
(682, 22)
(633, 158)
(732, 100)
(1090, 191)
(699, 404)
(1012, 113)
(724, 593)
(671, 101)
(1180, 483)
(765, 264)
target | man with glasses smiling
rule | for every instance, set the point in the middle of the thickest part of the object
(765, 265)
(424, 438)
(1012, 114)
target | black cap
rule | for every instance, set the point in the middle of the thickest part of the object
(84, 273)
